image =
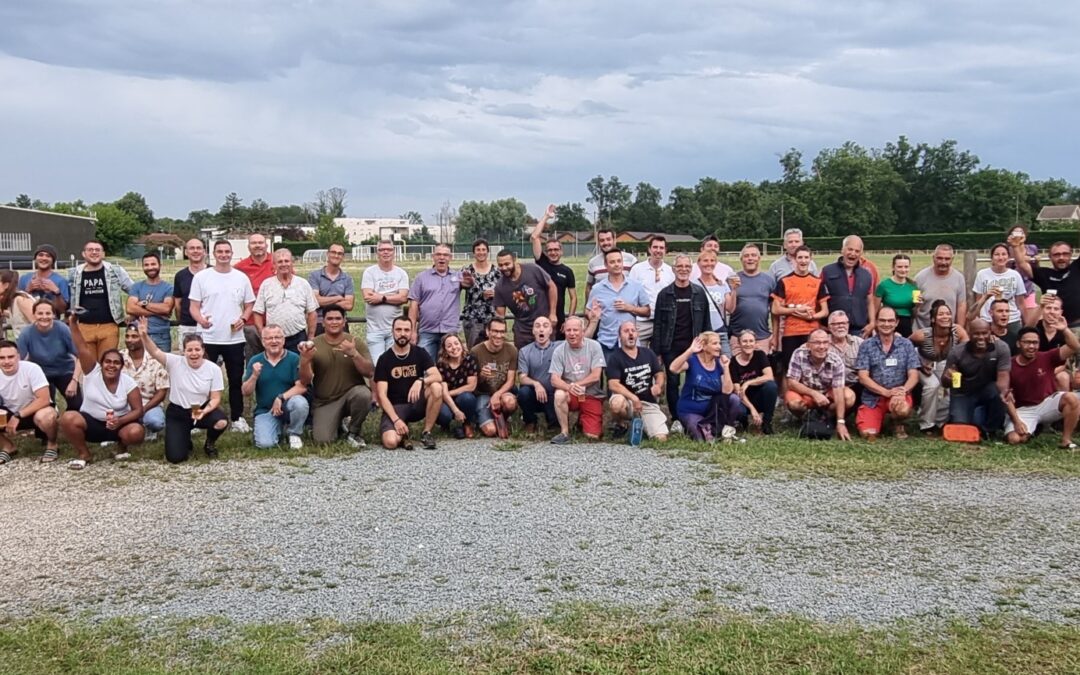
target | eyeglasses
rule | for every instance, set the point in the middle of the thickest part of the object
(496, 331)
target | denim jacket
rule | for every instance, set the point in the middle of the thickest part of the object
(664, 316)
(116, 280)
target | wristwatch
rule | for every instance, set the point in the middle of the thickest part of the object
(841, 420)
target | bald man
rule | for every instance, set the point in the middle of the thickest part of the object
(851, 287)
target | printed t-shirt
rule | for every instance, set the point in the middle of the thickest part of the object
(94, 298)
(493, 367)
(805, 290)
(635, 373)
(682, 336)
(563, 276)
(399, 373)
(754, 368)
(526, 298)
(455, 378)
(573, 365)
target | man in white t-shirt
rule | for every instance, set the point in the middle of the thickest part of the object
(385, 288)
(653, 274)
(26, 403)
(221, 302)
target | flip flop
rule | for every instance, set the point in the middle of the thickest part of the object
(121, 456)
(77, 464)
(4, 457)
(50, 456)
(1068, 446)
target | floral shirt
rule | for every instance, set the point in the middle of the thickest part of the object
(151, 376)
(458, 377)
(477, 308)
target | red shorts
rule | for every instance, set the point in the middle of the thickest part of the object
(592, 414)
(871, 420)
(794, 397)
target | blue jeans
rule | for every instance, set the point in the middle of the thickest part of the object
(982, 408)
(467, 402)
(153, 419)
(268, 428)
(763, 396)
(530, 406)
(378, 342)
(430, 343)
(163, 340)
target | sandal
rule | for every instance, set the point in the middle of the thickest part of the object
(1067, 446)
(900, 433)
(77, 464)
(4, 457)
(50, 456)
(122, 456)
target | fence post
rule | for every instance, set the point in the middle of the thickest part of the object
(971, 268)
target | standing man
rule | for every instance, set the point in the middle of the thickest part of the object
(287, 301)
(337, 367)
(888, 371)
(528, 291)
(479, 279)
(682, 313)
(152, 298)
(941, 282)
(24, 393)
(850, 287)
(534, 369)
(1035, 398)
(196, 255)
(96, 287)
(653, 274)
(221, 303)
(802, 301)
(636, 380)
(576, 368)
(496, 362)
(273, 376)
(436, 302)
(614, 299)
(258, 267)
(785, 264)
(44, 282)
(333, 285)
(983, 365)
(152, 378)
(409, 389)
(385, 288)
(753, 300)
(598, 269)
(548, 256)
(722, 271)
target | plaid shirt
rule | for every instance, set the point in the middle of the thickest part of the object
(849, 352)
(889, 369)
(829, 374)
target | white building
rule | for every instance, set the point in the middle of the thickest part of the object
(362, 229)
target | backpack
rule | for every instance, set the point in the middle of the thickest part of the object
(818, 425)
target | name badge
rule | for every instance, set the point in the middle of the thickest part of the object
(892, 363)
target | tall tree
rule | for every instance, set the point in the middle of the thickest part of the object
(116, 228)
(328, 232)
(135, 204)
(23, 202)
(502, 220)
(413, 217)
(571, 218)
(607, 197)
(232, 212)
(642, 214)
(259, 215)
(328, 202)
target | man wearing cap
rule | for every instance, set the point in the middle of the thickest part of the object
(44, 282)
(96, 290)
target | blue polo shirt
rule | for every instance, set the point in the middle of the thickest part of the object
(325, 286)
(273, 380)
(631, 292)
(155, 293)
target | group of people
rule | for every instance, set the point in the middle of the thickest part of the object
(720, 347)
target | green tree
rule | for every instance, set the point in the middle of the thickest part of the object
(328, 232)
(571, 218)
(291, 213)
(421, 236)
(414, 218)
(607, 197)
(136, 205)
(201, 219)
(327, 202)
(116, 228)
(23, 202)
(933, 178)
(497, 221)
(683, 213)
(232, 213)
(75, 208)
(989, 199)
(642, 214)
(853, 192)
(259, 215)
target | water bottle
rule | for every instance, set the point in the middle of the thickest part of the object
(637, 430)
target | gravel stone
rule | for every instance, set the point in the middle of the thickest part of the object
(394, 536)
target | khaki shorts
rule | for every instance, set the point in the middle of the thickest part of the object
(653, 419)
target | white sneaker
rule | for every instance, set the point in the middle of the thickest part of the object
(355, 441)
(676, 427)
(241, 426)
(345, 422)
(150, 437)
(295, 443)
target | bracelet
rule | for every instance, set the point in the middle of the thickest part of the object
(841, 420)
(397, 420)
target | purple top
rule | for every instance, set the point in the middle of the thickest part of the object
(438, 298)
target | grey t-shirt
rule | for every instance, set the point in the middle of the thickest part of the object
(536, 362)
(950, 288)
(753, 305)
(784, 266)
(573, 365)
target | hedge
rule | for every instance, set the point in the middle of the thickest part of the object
(298, 247)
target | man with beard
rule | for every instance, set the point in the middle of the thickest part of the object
(221, 303)
(785, 264)
(1000, 313)
(983, 365)
(635, 380)
(337, 367)
(614, 299)
(850, 286)
(151, 377)
(273, 376)
(1048, 317)
(435, 300)
(496, 361)
(1062, 277)
(598, 266)
(1035, 398)
(286, 300)
(888, 367)
(479, 278)
(409, 389)
(753, 292)
(153, 298)
(653, 274)
(96, 290)
(682, 313)
(846, 346)
(44, 282)
(941, 282)
(527, 290)
(534, 368)
(196, 255)
(576, 368)
(548, 256)
(258, 267)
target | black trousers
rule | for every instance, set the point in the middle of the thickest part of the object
(60, 382)
(233, 357)
(178, 426)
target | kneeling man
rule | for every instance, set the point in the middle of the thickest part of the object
(26, 403)
(337, 367)
(273, 375)
(815, 379)
(497, 361)
(635, 380)
(1035, 399)
(888, 367)
(409, 389)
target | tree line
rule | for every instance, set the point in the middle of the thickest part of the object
(902, 188)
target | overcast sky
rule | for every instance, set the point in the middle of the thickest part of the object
(410, 103)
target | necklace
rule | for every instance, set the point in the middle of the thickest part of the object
(402, 357)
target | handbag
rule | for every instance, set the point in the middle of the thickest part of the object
(818, 425)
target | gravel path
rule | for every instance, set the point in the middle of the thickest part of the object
(383, 535)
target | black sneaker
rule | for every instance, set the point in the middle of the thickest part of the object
(766, 428)
(427, 440)
(618, 430)
(406, 444)
(211, 451)
(459, 433)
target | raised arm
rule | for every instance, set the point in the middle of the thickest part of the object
(152, 349)
(537, 236)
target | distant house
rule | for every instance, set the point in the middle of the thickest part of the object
(575, 237)
(637, 235)
(23, 230)
(1060, 212)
